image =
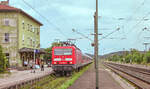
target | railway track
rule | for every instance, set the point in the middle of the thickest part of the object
(138, 76)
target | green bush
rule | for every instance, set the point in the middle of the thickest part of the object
(133, 56)
(3, 61)
(146, 58)
(128, 58)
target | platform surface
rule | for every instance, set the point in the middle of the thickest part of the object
(19, 76)
(87, 80)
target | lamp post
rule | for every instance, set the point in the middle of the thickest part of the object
(34, 56)
(34, 47)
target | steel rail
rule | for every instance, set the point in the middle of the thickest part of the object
(131, 75)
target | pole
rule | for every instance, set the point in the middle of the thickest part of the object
(146, 44)
(145, 47)
(96, 45)
(34, 56)
(34, 51)
(95, 39)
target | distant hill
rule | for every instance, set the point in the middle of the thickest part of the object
(115, 53)
(111, 54)
(91, 55)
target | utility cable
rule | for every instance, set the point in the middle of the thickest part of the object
(58, 29)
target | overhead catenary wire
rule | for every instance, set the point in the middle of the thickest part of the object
(137, 9)
(109, 34)
(82, 35)
(139, 40)
(131, 17)
(143, 18)
(58, 29)
(139, 22)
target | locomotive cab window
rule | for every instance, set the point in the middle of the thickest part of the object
(62, 51)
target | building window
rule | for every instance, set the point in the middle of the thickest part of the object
(28, 43)
(6, 22)
(38, 31)
(6, 37)
(28, 27)
(23, 25)
(7, 55)
(31, 28)
(31, 42)
(23, 39)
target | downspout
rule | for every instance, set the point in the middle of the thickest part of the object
(18, 35)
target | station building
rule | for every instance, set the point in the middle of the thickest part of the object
(19, 35)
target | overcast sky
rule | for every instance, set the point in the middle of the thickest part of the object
(64, 15)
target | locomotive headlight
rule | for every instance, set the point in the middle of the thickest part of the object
(68, 59)
(57, 59)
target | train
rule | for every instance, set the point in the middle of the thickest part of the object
(66, 59)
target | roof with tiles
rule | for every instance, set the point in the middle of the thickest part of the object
(6, 8)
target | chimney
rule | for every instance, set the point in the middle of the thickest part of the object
(4, 2)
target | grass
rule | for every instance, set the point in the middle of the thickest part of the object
(5, 74)
(53, 82)
(73, 79)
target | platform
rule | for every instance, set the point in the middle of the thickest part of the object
(87, 80)
(17, 77)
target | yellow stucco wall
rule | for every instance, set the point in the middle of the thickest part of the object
(17, 34)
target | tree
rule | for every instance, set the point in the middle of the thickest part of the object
(128, 58)
(3, 61)
(137, 57)
(146, 58)
(48, 55)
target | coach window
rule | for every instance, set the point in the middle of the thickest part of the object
(67, 51)
(63, 51)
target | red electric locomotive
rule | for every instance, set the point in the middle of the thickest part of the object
(65, 59)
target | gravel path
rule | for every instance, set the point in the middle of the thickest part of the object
(87, 80)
